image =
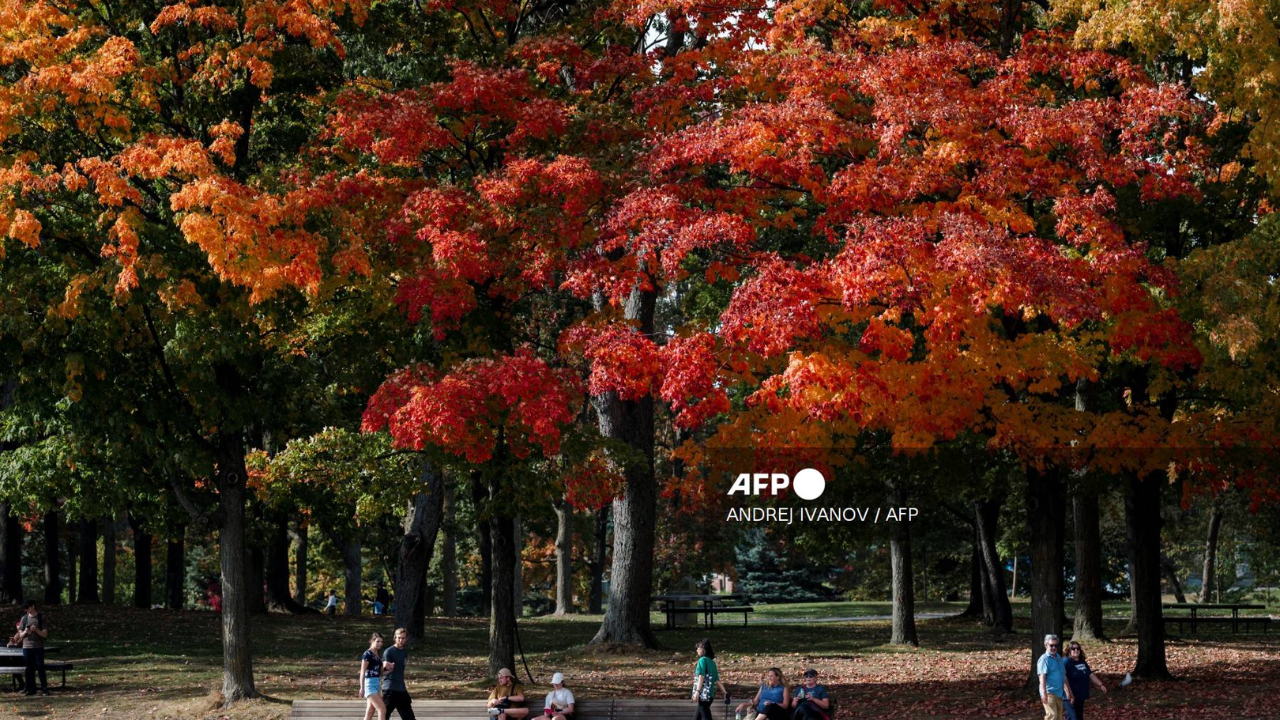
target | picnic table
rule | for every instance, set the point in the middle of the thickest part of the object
(12, 664)
(706, 605)
(1235, 609)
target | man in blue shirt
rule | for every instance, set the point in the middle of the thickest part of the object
(1053, 679)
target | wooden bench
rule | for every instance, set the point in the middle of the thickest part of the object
(1236, 623)
(50, 666)
(588, 709)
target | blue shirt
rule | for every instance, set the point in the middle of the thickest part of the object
(1078, 672)
(772, 694)
(1054, 675)
(817, 693)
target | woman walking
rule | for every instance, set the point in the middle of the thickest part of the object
(706, 678)
(1080, 676)
(371, 667)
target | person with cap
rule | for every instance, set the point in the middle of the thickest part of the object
(559, 704)
(810, 700)
(506, 699)
(1054, 689)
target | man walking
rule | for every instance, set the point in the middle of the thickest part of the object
(395, 694)
(1054, 689)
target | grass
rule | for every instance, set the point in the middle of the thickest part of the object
(167, 665)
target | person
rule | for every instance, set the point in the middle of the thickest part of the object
(395, 694)
(559, 704)
(706, 678)
(771, 700)
(331, 608)
(1079, 677)
(810, 700)
(506, 699)
(1053, 681)
(382, 597)
(33, 631)
(371, 667)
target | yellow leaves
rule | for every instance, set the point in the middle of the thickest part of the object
(179, 296)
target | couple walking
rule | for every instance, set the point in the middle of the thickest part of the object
(382, 678)
(1065, 681)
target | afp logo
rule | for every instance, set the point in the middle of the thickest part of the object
(808, 483)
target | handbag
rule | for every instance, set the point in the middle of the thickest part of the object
(708, 691)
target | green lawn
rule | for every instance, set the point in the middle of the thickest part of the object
(160, 664)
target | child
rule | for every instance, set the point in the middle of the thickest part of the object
(371, 667)
(706, 678)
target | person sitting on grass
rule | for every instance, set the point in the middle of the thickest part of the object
(559, 704)
(810, 700)
(771, 700)
(1080, 676)
(506, 699)
(371, 667)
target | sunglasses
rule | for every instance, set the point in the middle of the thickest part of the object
(1053, 645)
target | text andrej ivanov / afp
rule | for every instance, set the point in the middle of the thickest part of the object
(791, 515)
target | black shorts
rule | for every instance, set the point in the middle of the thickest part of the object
(774, 711)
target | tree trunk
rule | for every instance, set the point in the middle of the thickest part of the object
(109, 560)
(11, 533)
(52, 561)
(626, 618)
(517, 570)
(986, 515)
(1088, 620)
(1170, 572)
(422, 523)
(449, 555)
(300, 563)
(564, 558)
(175, 573)
(88, 594)
(600, 548)
(1045, 515)
(977, 601)
(279, 599)
(255, 570)
(478, 494)
(237, 654)
(1142, 526)
(904, 602)
(1208, 576)
(141, 564)
(352, 568)
(502, 615)
(73, 554)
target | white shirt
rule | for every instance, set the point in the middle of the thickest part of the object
(559, 699)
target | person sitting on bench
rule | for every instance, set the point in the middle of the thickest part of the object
(771, 700)
(810, 700)
(559, 704)
(506, 699)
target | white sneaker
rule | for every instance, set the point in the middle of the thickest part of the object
(495, 712)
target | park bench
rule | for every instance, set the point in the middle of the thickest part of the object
(16, 672)
(1237, 624)
(474, 709)
(1235, 621)
(708, 606)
